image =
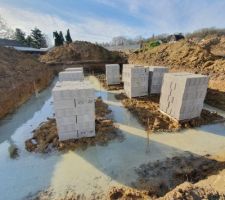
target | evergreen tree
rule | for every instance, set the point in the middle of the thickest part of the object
(57, 38)
(61, 38)
(29, 41)
(38, 38)
(68, 37)
(20, 36)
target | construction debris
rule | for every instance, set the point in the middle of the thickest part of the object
(45, 137)
(146, 109)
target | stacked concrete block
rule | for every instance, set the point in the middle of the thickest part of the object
(71, 76)
(74, 105)
(75, 69)
(183, 94)
(156, 74)
(135, 81)
(112, 72)
(124, 69)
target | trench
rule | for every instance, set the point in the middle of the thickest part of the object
(97, 168)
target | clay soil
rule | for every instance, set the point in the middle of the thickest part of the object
(45, 137)
(81, 51)
(188, 56)
(102, 80)
(21, 75)
(146, 109)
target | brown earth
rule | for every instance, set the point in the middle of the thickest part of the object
(81, 51)
(20, 76)
(188, 56)
(45, 137)
(146, 109)
(102, 80)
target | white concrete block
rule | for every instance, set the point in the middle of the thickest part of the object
(135, 80)
(183, 94)
(74, 105)
(71, 76)
(75, 69)
(112, 72)
(156, 74)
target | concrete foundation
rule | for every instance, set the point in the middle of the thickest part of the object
(135, 80)
(112, 72)
(183, 94)
(71, 76)
(74, 105)
(156, 74)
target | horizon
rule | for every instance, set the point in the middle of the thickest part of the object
(101, 20)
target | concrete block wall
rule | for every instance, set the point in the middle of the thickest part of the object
(183, 94)
(74, 105)
(156, 74)
(135, 81)
(112, 72)
(71, 76)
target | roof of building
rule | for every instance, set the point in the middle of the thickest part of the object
(11, 43)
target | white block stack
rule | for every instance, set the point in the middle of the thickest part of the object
(71, 76)
(74, 105)
(124, 67)
(156, 74)
(75, 69)
(135, 81)
(183, 94)
(112, 72)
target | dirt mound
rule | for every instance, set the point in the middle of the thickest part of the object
(192, 192)
(20, 76)
(183, 56)
(45, 137)
(146, 109)
(160, 177)
(80, 51)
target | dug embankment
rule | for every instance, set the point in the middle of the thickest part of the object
(21, 75)
(188, 56)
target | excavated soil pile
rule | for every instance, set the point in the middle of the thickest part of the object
(80, 51)
(160, 177)
(192, 192)
(188, 56)
(45, 137)
(182, 56)
(20, 76)
(102, 80)
(146, 109)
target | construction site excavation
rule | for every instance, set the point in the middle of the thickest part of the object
(82, 122)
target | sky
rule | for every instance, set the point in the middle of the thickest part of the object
(100, 20)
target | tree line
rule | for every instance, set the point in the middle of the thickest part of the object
(35, 39)
(59, 38)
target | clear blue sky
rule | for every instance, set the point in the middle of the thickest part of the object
(100, 20)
